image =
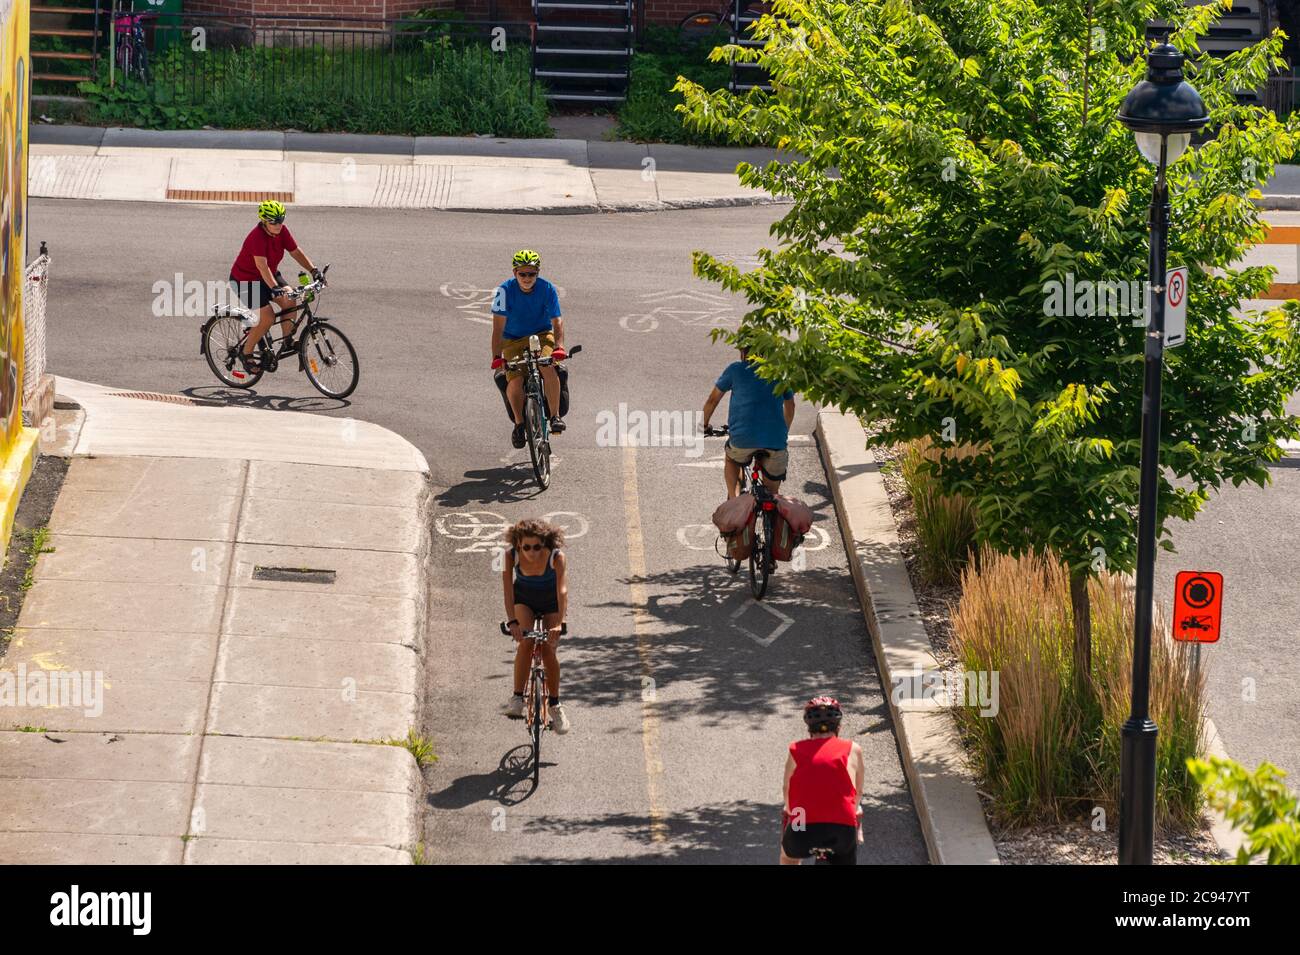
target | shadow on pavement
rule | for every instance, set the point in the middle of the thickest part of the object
(241, 398)
(743, 832)
(509, 484)
(729, 657)
(508, 785)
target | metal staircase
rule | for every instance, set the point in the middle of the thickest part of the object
(583, 49)
(746, 76)
(65, 42)
(1243, 25)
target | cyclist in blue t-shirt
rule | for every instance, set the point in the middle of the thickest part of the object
(522, 306)
(758, 419)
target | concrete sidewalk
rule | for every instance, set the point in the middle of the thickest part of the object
(398, 172)
(232, 705)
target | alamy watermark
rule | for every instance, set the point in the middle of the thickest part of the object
(634, 428)
(919, 689)
(1106, 298)
(64, 689)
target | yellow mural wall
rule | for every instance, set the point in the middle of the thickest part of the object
(17, 444)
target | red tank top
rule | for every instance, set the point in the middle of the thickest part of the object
(821, 785)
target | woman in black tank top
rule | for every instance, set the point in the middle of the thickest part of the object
(534, 583)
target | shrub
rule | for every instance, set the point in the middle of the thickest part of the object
(650, 112)
(945, 524)
(447, 89)
(1052, 751)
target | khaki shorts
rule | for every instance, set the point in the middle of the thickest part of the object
(774, 465)
(514, 348)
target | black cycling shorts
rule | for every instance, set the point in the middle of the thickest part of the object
(247, 292)
(798, 844)
(540, 600)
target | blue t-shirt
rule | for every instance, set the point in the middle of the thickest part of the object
(755, 415)
(527, 313)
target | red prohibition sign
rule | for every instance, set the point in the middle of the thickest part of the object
(1176, 289)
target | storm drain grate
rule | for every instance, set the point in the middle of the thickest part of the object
(153, 396)
(295, 575)
(228, 195)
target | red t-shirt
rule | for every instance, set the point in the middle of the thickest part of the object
(821, 785)
(260, 242)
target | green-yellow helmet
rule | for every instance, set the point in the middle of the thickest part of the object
(271, 211)
(525, 257)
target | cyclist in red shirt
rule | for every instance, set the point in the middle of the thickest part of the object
(824, 776)
(256, 279)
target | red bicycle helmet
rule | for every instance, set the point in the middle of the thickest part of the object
(822, 714)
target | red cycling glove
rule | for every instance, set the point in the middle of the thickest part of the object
(559, 354)
(497, 362)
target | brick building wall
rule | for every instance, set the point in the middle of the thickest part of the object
(340, 10)
(668, 12)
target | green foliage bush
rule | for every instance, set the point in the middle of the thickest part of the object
(1256, 802)
(650, 112)
(429, 88)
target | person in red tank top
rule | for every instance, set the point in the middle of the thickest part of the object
(823, 777)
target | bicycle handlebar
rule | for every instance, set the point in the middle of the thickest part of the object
(548, 360)
(564, 629)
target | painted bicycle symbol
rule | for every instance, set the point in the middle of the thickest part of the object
(485, 530)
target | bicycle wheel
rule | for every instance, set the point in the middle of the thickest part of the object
(760, 558)
(538, 719)
(329, 360)
(223, 339)
(539, 448)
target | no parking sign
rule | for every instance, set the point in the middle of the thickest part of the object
(1198, 606)
(1176, 306)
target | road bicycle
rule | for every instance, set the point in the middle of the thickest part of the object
(537, 710)
(132, 53)
(324, 353)
(537, 425)
(761, 561)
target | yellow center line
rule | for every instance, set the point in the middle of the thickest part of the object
(654, 766)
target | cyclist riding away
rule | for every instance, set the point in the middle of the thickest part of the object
(535, 584)
(522, 306)
(758, 419)
(824, 776)
(256, 279)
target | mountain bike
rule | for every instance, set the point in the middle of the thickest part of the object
(324, 353)
(761, 561)
(537, 712)
(537, 425)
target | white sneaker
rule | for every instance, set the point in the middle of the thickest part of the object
(515, 708)
(559, 719)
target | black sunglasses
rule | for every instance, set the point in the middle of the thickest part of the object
(528, 275)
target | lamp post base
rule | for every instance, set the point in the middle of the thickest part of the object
(1137, 801)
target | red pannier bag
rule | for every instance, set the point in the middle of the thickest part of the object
(790, 523)
(734, 518)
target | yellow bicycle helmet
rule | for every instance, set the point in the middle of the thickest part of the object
(525, 257)
(271, 211)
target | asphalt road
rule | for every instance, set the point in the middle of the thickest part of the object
(683, 691)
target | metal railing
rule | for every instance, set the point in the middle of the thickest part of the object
(1280, 95)
(197, 57)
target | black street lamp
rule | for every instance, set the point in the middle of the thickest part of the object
(1162, 111)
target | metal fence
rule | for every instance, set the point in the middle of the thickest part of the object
(200, 57)
(1280, 95)
(34, 297)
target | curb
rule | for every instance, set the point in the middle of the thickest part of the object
(943, 789)
(1276, 203)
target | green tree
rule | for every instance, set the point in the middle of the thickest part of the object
(954, 159)
(1258, 803)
